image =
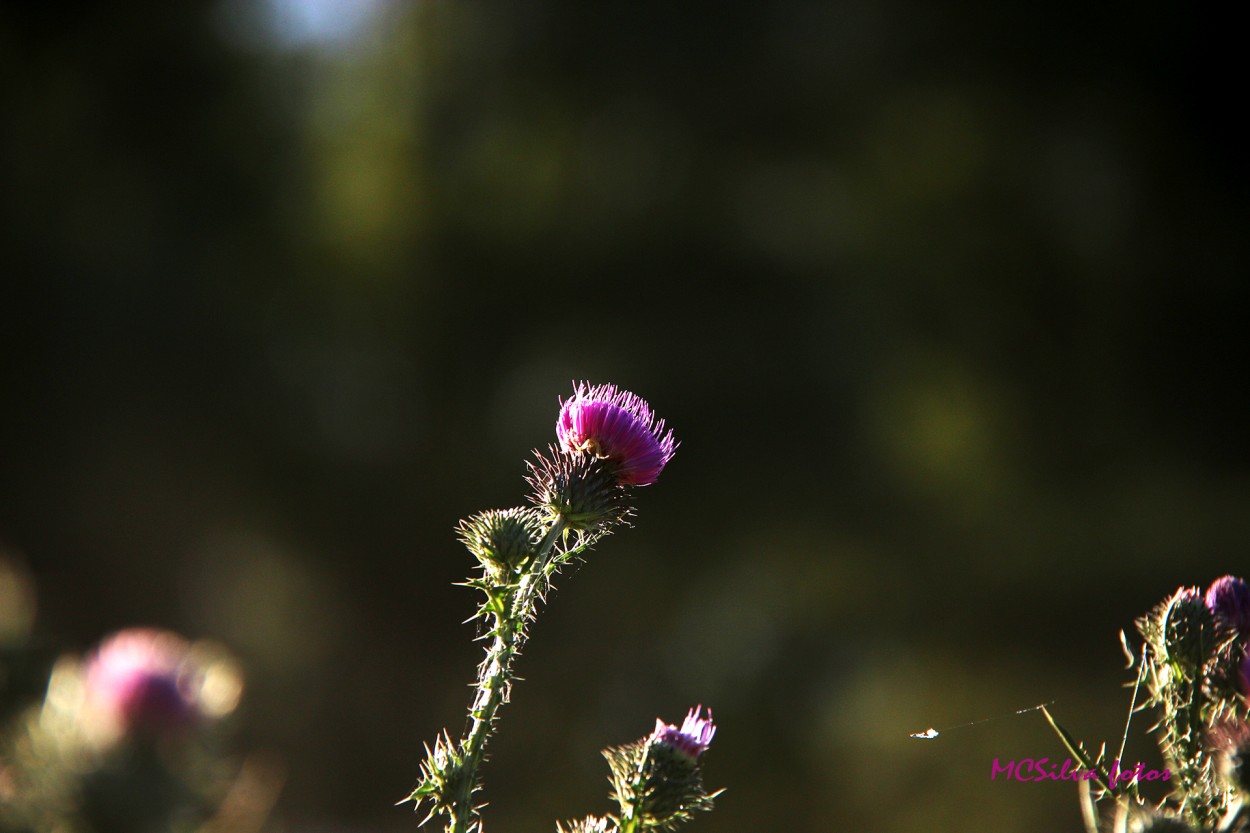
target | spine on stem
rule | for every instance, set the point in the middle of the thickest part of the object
(508, 607)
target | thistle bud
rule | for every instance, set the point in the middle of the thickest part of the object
(1187, 628)
(581, 490)
(443, 776)
(658, 779)
(503, 539)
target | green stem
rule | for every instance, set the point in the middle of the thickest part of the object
(1193, 761)
(509, 617)
(631, 819)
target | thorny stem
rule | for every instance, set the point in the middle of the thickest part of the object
(631, 819)
(1193, 759)
(509, 615)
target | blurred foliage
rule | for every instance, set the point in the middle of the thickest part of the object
(943, 301)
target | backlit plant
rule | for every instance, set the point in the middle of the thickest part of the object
(608, 443)
(1194, 662)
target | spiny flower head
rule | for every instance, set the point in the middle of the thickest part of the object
(692, 739)
(1229, 600)
(1188, 630)
(502, 537)
(658, 780)
(142, 679)
(619, 426)
(581, 490)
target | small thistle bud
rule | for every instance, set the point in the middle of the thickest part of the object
(619, 426)
(1187, 627)
(443, 777)
(658, 779)
(503, 538)
(1229, 599)
(142, 681)
(581, 490)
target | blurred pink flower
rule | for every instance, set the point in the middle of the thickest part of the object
(141, 679)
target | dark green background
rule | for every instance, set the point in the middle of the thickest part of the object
(944, 302)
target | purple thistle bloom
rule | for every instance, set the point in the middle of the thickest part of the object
(619, 426)
(139, 679)
(692, 739)
(1229, 600)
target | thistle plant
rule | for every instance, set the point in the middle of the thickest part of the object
(1194, 663)
(608, 443)
(128, 739)
(657, 781)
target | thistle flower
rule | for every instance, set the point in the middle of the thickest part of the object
(692, 739)
(619, 426)
(142, 680)
(1229, 600)
(658, 781)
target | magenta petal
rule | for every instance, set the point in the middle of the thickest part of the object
(619, 426)
(694, 736)
(1229, 599)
